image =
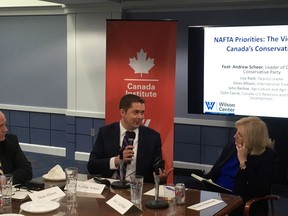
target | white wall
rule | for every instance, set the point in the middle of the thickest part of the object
(86, 61)
(86, 38)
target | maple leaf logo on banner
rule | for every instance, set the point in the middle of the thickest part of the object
(142, 64)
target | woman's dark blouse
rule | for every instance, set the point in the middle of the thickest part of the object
(259, 175)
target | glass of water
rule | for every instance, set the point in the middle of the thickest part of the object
(136, 188)
(71, 183)
(6, 182)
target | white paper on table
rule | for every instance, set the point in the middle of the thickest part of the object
(209, 182)
(49, 194)
(120, 204)
(152, 191)
(205, 204)
(90, 189)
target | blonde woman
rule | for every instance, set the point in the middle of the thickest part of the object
(257, 161)
(247, 168)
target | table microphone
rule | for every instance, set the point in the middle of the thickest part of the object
(122, 183)
(156, 203)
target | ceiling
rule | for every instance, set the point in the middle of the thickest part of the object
(181, 4)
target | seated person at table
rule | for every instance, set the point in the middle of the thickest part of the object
(104, 159)
(12, 159)
(249, 167)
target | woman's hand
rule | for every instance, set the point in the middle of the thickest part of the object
(242, 153)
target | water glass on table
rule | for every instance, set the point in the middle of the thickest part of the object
(6, 182)
(71, 183)
(136, 188)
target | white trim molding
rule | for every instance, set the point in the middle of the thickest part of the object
(32, 109)
(186, 165)
(82, 156)
(204, 122)
(41, 149)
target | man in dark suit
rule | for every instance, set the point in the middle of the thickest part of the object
(13, 160)
(106, 154)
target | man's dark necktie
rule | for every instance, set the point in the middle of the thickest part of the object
(124, 144)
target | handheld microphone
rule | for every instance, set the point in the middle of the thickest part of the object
(131, 136)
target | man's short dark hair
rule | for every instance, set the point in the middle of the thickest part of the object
(127, 100)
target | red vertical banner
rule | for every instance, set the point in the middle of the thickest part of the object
(140, 59)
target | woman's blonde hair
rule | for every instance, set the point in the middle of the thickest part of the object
(255, 134)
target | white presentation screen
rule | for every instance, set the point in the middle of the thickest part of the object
(246, 70)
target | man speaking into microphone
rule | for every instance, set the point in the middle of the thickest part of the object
(138, 149)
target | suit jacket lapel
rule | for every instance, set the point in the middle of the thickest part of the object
(115, 139)
(141, 142)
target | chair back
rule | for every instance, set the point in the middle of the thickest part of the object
(249, 203)
(280, 206)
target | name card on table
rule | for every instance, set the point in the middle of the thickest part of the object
(90, 189)
(205, 204)
(47, 194)
(121, 204)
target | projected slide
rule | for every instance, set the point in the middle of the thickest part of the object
(246, 70)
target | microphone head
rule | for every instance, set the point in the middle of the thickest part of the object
(158, 163)
(131, 136)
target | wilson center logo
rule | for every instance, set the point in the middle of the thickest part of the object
(209, 105)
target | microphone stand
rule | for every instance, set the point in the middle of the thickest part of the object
(122, 183)
(157, 204)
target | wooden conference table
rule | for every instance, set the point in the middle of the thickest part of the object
(87, 206)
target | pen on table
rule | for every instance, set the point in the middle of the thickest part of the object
(16, 185)
(170, 188)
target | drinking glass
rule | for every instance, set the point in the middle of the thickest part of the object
(71, 183)
(136, 188)
(6, 182)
